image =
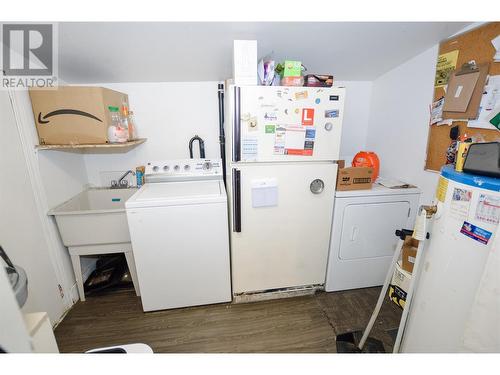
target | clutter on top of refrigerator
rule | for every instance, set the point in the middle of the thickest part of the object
(245, 62)
(266, 72)
(290, 72)
(318, 80)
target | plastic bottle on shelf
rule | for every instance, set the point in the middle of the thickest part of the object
(116, 133)
(132, 126)
(124, 118)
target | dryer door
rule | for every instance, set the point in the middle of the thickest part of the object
(368, 229)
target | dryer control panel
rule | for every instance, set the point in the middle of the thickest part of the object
(183, 170)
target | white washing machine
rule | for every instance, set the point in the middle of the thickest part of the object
(179, 230)
(363, 237)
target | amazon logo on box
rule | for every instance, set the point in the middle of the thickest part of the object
(74, 114)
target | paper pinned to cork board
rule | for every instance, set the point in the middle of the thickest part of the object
(459, 93)
(447, 62)
(472, 108)
(489, 105)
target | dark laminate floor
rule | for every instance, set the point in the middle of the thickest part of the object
(302, 324)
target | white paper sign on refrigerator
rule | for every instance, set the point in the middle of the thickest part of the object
(265, 192)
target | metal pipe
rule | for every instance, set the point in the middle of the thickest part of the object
(222, 136)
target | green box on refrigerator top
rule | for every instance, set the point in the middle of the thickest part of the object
(292, 69)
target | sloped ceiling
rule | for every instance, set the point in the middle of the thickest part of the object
(202, 51)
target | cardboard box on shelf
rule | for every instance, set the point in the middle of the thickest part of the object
(74, 114)
(409, 254)
(353, 178)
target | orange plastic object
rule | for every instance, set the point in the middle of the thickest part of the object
(367, 159)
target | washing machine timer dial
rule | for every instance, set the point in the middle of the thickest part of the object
(207, 165)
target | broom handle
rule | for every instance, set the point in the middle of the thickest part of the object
(383, 292)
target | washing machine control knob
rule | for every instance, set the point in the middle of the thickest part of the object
(207, 166)
(155, 168)
(176, 168)
(187, 167)
(166, 168)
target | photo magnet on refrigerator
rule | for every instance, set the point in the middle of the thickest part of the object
(476, 233)
(301, 95)
(331, 113)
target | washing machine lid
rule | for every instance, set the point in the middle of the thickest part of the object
(376, 190)
(160, 194)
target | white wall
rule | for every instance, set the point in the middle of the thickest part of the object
(63, 175)
(21, 231)
(399, 118)
(356, 116)
(169, 114)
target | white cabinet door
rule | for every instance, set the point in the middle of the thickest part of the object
(274, 123)
(283, 244)
(368, 229)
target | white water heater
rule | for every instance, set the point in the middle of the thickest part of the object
(456, 305)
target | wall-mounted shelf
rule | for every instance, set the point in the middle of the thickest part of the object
(95, 148)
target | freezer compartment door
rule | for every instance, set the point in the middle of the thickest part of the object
(280, 225)
(275, 123)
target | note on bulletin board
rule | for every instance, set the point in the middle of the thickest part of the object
(489, 105)
(447, 62)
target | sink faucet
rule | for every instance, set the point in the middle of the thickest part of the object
(122, 183)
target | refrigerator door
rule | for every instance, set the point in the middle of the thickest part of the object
(276, 123)
(280, 224)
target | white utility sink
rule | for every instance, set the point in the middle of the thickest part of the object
(94, 223)
(95, 216)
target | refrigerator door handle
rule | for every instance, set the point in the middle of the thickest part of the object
(237, 125)
(236, 200)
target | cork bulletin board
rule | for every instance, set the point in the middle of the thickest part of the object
(472, 45)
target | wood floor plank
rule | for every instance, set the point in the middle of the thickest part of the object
(304, 324)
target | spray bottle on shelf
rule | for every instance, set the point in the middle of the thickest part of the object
(132, 127)
(124, 119)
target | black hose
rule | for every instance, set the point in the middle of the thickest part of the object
(201, 145)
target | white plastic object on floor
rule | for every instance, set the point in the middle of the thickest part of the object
(129, 349)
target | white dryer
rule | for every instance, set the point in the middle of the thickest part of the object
(363, 237)
(179, 230)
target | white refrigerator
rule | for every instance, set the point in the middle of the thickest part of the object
(282, 144)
